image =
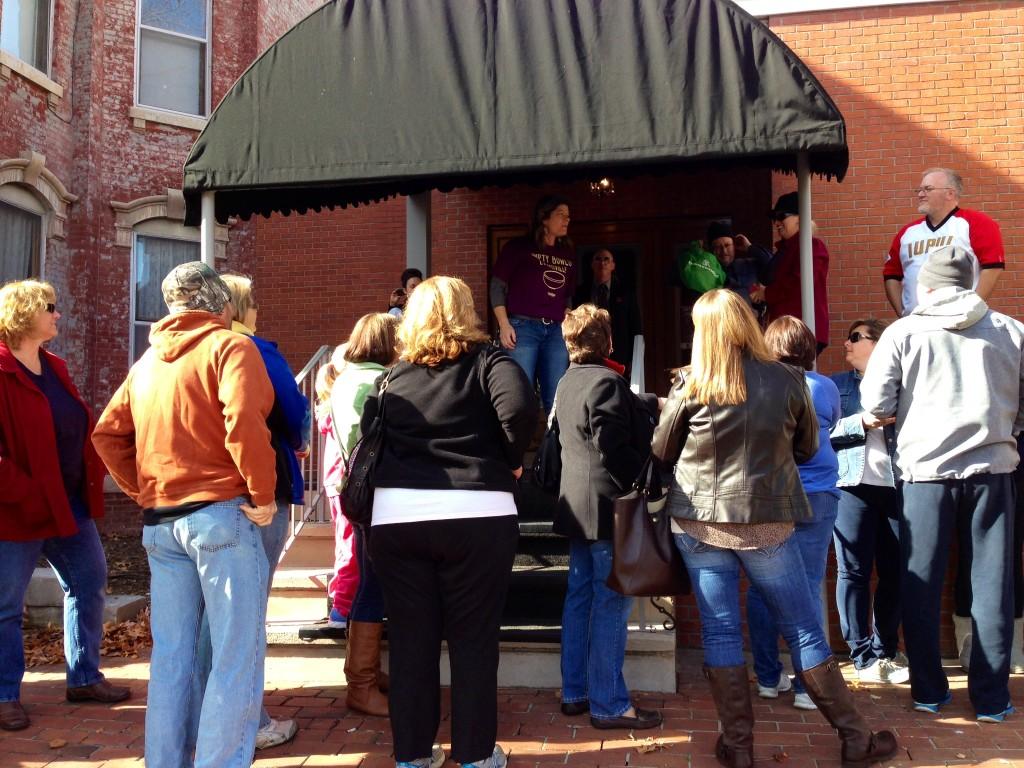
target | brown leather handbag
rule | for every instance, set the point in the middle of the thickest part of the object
(645, 561)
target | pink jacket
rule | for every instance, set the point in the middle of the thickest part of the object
(334, 467)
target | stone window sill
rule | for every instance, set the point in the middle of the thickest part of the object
(9, 63)
(143, 115)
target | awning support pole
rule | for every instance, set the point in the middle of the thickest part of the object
(803, 173)
(417, 232)
(207, 228)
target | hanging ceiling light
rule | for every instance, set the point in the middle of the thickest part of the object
(602, 187)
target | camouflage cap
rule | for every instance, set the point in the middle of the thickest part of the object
(194, 285)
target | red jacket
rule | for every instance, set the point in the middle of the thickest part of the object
(33, 503)
(783, 295)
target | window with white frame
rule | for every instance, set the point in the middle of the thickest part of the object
(173, 55)
(22, 227)
(25, 31)
(158, 248)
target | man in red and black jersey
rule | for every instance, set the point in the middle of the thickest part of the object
(944, 223)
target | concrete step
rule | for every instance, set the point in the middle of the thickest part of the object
(298, 595)
(649, 665)
(116, 609)
(312, 548)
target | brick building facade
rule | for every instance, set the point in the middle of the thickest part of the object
(91, 149)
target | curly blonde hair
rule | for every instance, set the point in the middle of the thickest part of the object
(20, 302)
(440, 322)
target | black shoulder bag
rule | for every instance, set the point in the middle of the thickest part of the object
(357, 487)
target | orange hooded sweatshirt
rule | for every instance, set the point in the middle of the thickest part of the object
(189, 423)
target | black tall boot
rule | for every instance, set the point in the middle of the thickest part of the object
(730, 688)
(828, 690)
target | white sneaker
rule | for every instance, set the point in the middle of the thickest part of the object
(887, 671)
(772, 692)
(278, 732)
(498, 759)
(436, 760)
(803, 701)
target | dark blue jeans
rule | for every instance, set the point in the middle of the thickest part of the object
(594, 632)
(81, 569)
(932, 512)
(867, 537)
(368, 604)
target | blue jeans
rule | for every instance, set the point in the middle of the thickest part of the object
(211, 562)
(812, 538)
(273, 537)
(594, 632)
(983, 507)
(368, 604)
(81, 568)
(867, 537)
(778, 573)
(540, 351)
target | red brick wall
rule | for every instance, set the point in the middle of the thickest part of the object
(937, 84)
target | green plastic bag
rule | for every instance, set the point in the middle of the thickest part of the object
(700, 270)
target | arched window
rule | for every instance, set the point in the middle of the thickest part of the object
(33, 208)
(153, 228)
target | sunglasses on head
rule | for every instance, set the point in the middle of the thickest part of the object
(51, 308)
(857, 336)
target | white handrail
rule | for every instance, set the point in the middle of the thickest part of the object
(314, 508)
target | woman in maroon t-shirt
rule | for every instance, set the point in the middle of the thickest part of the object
(532, 284)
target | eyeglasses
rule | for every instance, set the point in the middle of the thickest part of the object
(51, 308)
(856, 336)
(602, 258)
(927, 190)
(781, 216)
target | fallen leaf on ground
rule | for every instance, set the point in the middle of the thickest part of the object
(961, 756)
(45, 645)
(649, 745)
(780, 757)
(57, 743)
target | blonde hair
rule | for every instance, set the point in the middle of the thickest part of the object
(242, 300)
(440, 322)
(724, 331)
(587, 331)
(373, 339)
(20, 302)
(324, 382)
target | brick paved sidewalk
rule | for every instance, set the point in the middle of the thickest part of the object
(305, 686)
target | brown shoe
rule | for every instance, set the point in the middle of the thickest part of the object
(730, 688)
(827, 689)
(12, 716)
(362, 661)
(102, 692)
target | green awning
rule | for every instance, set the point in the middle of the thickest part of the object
(365, 99)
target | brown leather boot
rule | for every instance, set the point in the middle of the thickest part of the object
(828, 690)
(730, 688)
(362, 661)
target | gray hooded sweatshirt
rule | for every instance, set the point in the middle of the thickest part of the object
(952, 372)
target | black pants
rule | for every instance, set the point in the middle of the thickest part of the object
(445, 579)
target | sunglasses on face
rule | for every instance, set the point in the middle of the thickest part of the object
(51, 308)
(856, 336)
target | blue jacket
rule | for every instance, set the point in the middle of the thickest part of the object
(848, 436)
(819, 473)
(289, 421)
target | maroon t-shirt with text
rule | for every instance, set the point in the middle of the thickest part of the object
(541, 278)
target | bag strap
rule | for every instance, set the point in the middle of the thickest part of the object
(645, 480)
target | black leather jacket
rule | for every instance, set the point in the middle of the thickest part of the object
(737, 463)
